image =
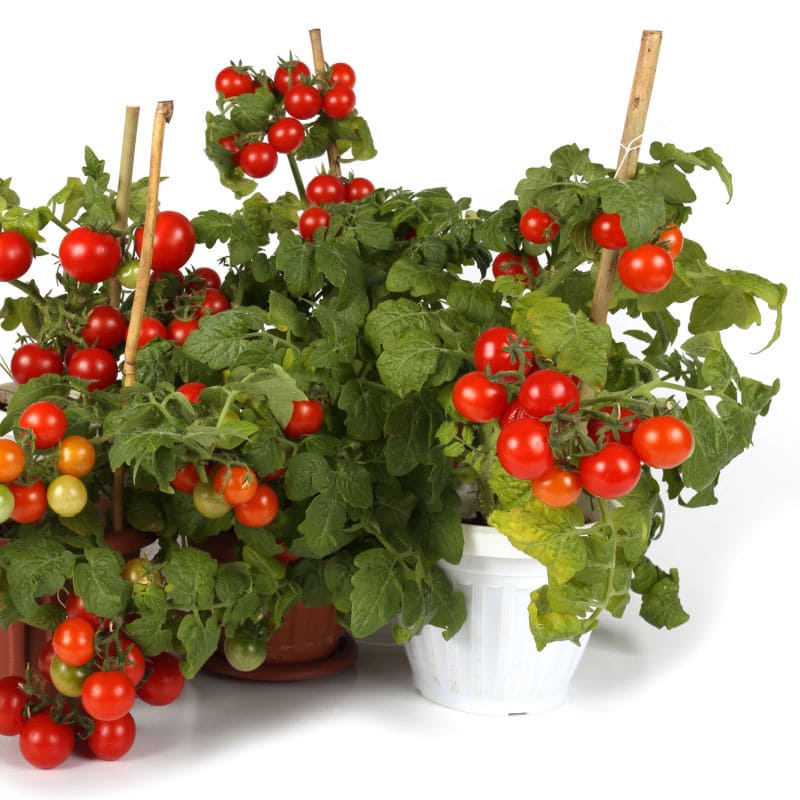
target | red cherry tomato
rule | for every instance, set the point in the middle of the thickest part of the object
(286, 135)
(231, 145)
(325, 189)
(339, 101)
(151, 329)
(258, 159)
(192, 390)
(44, 742)
(105, 327)
(343, 73)
(557, 487)
(607, 232)
(510, 263)
(307, 417)
(88, 256)
(538, 226)
(663, 442)
(357, 189)
(236, 484)
(547, 389)
(611, 472)
(173, 242)
(523, 448)
(178, 330)
(232, 82)
(94, 364)
(310, 220)
(165, 682)
(30, 502)
(16, 255)
(12, 460)
(186, 478)
(108, 695)
(628, 421)
(33, 361)
(302, 101)
(672, 239)
(477, 398)
(111, 739)
(293, 72)
(645, 269)
(260, 510)
(214, 302)
(73, 641)
(75, 608)
(490, 352)
(46, 421)
(12, 703)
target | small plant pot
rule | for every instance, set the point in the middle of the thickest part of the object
(491, 666)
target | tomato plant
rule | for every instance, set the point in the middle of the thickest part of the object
(31, 361)
(523, 448)
(663, 442)
(108, 696)
(46, 421)
(538, 226)
(611, 472)
(258, 159)
(645, 269)
(89, 256)
(479, 399)
(44, 742)
(173, 242)
(16, 255)
(307, 417)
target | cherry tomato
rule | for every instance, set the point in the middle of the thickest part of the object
(30, 502)
(302, 101)
(672, 239)
(323, 189)
(258, 159)
(12, 460)
(74, 607)
(645, 269)
(186, 478)
(178, 330)
(477, 398)
(214, 302)
(338, 101)
(173, 243)
(47, 422)
(260, 510)
(165, 682)
(523, 448)
(514, 410)
(16, 255)
(236, 484)
(128, 274)
(192, 390)
(307, 417)
(231, 145)
(205, 278)
(108, 695)
(357, 189)
(208, 502)
(310, 220)
(628, 420)
(510, 263)
(343, 74)
(490, 352)
(547, 389)
(151, 329)
(232, 82)
(284, 77)
(32, 361)
(89, 256)
(45, 659)
(111, 739)
(286, 135)
(67, 678)
(44, 742)
(611, 472)
(134, 662)
(538, 226)
(12, 704)
(663, 442)
(76, 456)
(557, 487)
(138, 572)
(105, 327)
(67, 496)
(73, 641)
(244, 652)
(96, 365)
(6, 503)
(607, 232)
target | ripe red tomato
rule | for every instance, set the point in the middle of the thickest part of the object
(258, 159)
(236, 484)
(286, 135)
(260, 510)
(611, 472)
(645, 269)
(514, 410)
(479, 399)
(165, 682)
(89, 256)
(628, 420)
(203, 278)
(32, 361)
(178, 330)
(663, 442)
(343, 74)
(134, 662)
(325, 188)
(186, 478)
(12, 704)
(672, 239)
(510, 263)
(302, 101)
(538, 226)
(523, 448)
(173, 242)
(357, 189)
(47, 421)
(16, 255)
(45, 659)
(290, 73)
(110, 740)
(338, 101)
(547, 389)
(105, 327)
(12, 460)
(231, 82)
(307, 417)
(231, 145)
(192, 390)
(490, 353)
(73, 641)
(607, 232)
(213, 302)
(96, 365)
(557, 488)
(108, 695)
(152, 328)
(44, 742)
(75, 608)
(311, 219)
(30, 502)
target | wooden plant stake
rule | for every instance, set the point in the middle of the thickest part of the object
(162, 116)
(628, 159)
(334, 167)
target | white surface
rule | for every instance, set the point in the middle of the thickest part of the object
(468, 96)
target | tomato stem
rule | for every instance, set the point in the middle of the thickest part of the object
(298, 178)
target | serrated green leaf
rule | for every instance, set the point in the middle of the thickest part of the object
(306, 475)
(410, 435)
(190, 575)
(200, 638)
(35, 568)
(363, 405)
(376, 594)
(99, 584)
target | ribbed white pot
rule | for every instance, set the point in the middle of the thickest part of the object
(491, 666)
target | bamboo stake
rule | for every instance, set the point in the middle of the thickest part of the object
(632, 133)
(334, 166)
(162, 116)
(124, 188)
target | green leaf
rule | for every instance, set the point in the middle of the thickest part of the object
(406, 364)
(35, 568)
(323, 527)
(450, 610)
(200, 638)
(377, 592)
(87, 523)
(661, 605)
(285, 315)
(641, 210)
(377, 235)
(339, 263)
(363, 405)
(307, 474)
(221, 338)
(550, 625)
(476, 302)
(147, 628)
(99, 584)
(354, 483)
(252, 111)
(297, 263)
(441, 534)
(410, 435)
(190, 575)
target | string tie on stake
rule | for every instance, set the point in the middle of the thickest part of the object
(633, 145)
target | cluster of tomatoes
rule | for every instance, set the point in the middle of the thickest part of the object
(303, 98)
(324, 189)
(66, 495)
(88, 679)
(546, 405)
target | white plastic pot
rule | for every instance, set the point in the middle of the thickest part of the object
(491, 666)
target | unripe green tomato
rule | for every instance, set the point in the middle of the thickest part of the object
(245, 652)
(208, 502)
(67, 679)
(6, 502)
(67, 496)
(128, 273)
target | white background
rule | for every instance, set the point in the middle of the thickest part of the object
(468, 96)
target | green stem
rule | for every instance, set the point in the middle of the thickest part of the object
(27, 289)
(298, 178)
